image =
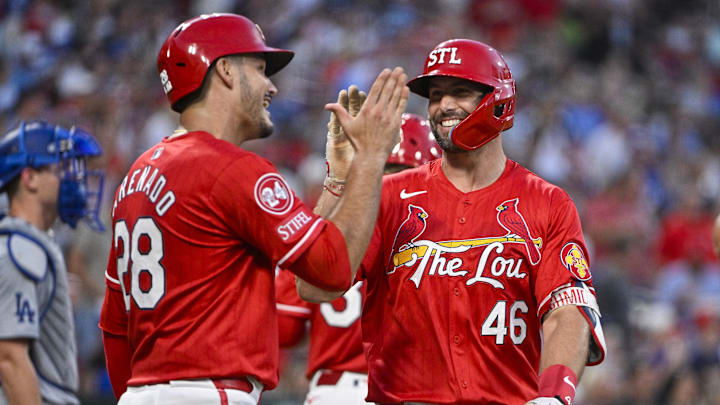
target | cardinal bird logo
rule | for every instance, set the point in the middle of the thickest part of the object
(510, 218)
(410, 229)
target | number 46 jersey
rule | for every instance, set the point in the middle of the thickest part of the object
(458, 283)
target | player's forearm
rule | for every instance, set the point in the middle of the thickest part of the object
(356, 212)
(310, 293)
(19, 380)
(326, 204)
(566, 337)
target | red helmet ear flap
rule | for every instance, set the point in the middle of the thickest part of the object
(493, 115)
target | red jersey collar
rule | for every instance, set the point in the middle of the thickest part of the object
(437, 174)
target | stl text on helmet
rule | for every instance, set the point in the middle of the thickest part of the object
(433, 57)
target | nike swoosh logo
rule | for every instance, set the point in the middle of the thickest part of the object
(568, 382)
(404, 195)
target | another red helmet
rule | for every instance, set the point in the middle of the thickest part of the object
(417, 144)
(479, 63)
(188, 52)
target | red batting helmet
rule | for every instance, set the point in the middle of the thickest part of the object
(417, 144)
(188, 52)
(479, 63)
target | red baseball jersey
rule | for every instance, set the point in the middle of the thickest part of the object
(198, 228)
(335, 334)
(457, 284)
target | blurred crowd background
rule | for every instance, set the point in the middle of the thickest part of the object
(618, 102)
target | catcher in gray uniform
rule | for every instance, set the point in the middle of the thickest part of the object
(43, 172)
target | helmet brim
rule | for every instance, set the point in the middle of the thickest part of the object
(276, 60)
(421, 84)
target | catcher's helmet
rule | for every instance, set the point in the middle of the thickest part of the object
(479, 63)
(192, 47)
(417, 144)
(36, 144)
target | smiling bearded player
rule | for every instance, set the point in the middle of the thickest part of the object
(478, 284)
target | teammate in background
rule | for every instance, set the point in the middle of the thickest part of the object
(337, 368)
(473, 259)
(716, 236)
(43, 171)
(199, 224)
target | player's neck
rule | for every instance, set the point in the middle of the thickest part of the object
(31, 212)
(215, 119)
(473, 170)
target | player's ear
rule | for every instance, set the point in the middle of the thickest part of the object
(29, 179)
(224, 69)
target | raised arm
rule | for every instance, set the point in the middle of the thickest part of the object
(372, 133)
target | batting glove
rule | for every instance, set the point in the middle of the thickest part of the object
(339, 151)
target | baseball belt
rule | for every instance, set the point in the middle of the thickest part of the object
(241, 384)
(329, 377)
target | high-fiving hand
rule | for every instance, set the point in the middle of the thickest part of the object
(376, 128)
(339, 152)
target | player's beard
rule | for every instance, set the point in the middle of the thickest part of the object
(260, 117)
(444, 140)
(266, 126)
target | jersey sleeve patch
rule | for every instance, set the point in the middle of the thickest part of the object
(583, 297)
(575, 295)
(309, 236)
(273, 194)
(28, 255)
(573, 259)
(295, 224)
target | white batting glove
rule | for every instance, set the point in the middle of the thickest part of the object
(339, 151)
(545, 401)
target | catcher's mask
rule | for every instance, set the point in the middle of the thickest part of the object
(36, 144)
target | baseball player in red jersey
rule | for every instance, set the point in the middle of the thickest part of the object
(337, 368)
(478, 284)
(716, 236)
(199, 224)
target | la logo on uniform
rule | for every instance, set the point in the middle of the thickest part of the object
(23, 309)
(434, 59)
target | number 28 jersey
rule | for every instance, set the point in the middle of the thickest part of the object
(198, 228)
(457, 285)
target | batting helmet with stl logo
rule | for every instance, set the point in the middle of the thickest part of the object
(417, 145)
(478, 63)
(192, 47)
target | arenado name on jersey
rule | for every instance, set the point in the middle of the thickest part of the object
(151, 186)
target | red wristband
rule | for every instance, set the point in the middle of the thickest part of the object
(334, 187)
(329, 190)
(558, 381)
